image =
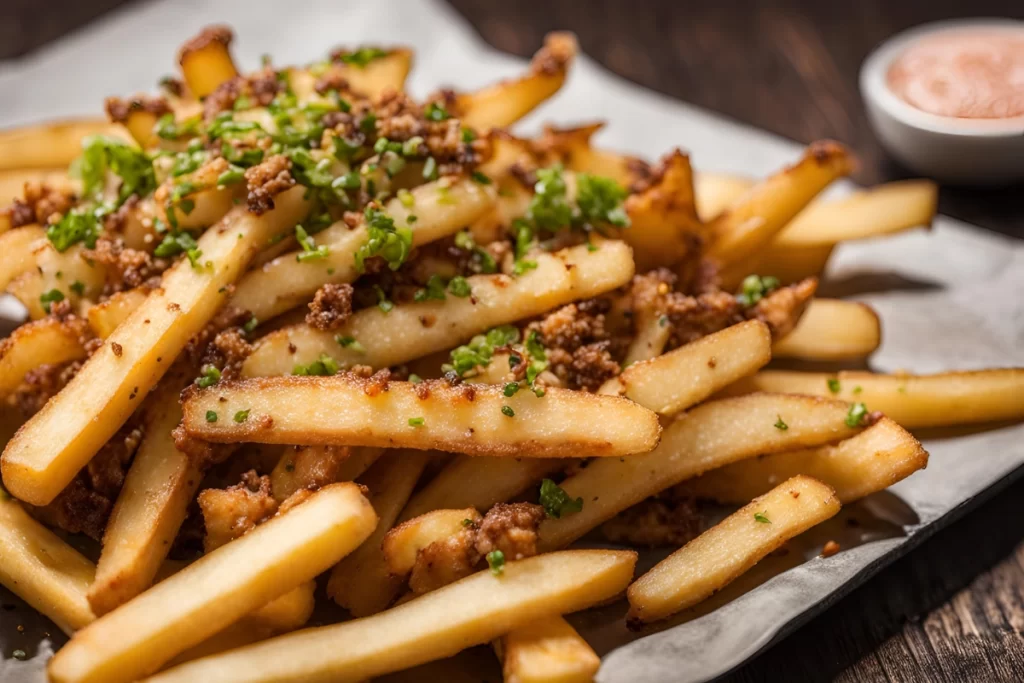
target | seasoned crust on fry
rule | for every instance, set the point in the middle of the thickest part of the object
(260, 87)
(331, 307)
(266, 180)
(232, 512)
(118, 110)
(557, 54)
(660, 521)
(781, 309)
(41, 203)
(206, 37)
(579, 348)
(125, 268)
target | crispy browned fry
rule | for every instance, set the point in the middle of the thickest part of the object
(757, 216)
(151, 507)
(913, 401)
(727, 550)
(877, 458)
(54, 445)
(218, 589)
(309, 467)
(831, 329)
(472, 611)
(473, 419)
(361, 582)
(410, 331)
(505, 103)
(43, 342)
(51, 145)
(43, 570)
(709, 436)
(206, 61)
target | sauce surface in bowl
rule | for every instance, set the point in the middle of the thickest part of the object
(972, 74)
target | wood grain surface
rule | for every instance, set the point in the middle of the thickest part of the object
(953, 609)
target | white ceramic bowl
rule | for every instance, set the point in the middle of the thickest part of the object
(962, 151)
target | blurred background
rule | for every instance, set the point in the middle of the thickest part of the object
(954, 609)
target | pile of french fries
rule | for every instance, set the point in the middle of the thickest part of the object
(263, 196)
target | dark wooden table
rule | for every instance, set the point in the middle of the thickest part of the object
(952, 610)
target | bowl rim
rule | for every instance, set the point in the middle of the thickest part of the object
(875, 88)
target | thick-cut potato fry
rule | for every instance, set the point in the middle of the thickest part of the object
(472, 611)
(17, 246)
(727, 550)
(662, 216)
(433, 414)
(105, 317)
(831, 329)
(287, 613)
(410, 331)
(875, 459)
(218, 589)
(756, 217)
(51, 145)
(206, 62)
(71, 273)
(12, 182)
(652, 334)
(403, 543)
(60, 439)
(284, 282)
(43, 570)
(788, 264)
(709, 436)
(151, 507)
(505, 103)
(687, 375)
(41, 342)
(382, 74)
(475, 482)
(913, 401)
(716, 192)
(361, 583)
(572, 146)
(546, 651)
(360, 460)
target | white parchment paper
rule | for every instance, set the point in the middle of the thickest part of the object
(951, 298)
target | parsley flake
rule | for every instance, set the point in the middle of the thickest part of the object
(242, 415)
(325, 366)
(762, 517)
(347, 342)
(209, 376)
(556, 501)
(416, 421)
(51, 297)
(858, 412)
(780, 424)
(496, 561)
(507, 411)
(211, 416)
(833, 385)
(755, 288)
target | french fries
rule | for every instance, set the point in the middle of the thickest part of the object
(43, 570)
(17, 246)
(158, 488)
(387, 73)
(361, 582)
(51, 145)
(50, 449)
(285, 282)
(41, 342)
(707, 437)
(546, 651)
(478, 420)
(237, 578)
(875, 459)
(472, 611)
(105, 317)
(913, 401)
(832, 329)
(408, 331)
(206, 62)
(505, 103)
(727, 550)
(403, 543)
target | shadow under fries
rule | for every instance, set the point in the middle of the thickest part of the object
(872, 282)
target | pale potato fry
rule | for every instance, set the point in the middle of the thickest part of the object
(409, 331)
(75, 276)
(54, 445)
(727, 550)
(756, 217)
(53, 144)
(206, 62)
(43, 570)
(471, 420)
(687, 375)
(715, 192)
(505, 103)
(472, 611)
(46, 341)
(360, 460)
(652, 334)
(284, 282)
(12, 182)
(218, 589)
(380, 75)
(709, 436)
(17, 246)
(546, 651)
(287, 613)
(875, 459)
(914, 401)
(662, 216)
(361, 583)
(476, 482)
(151, 507)
(403, 543)
(105, 317)
(831, 329)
